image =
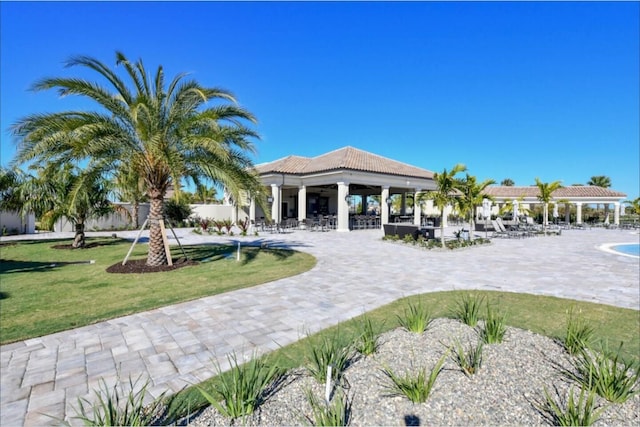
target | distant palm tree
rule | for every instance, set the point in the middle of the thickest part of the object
(546, 194)
(164, 133)
(601, 181)
(130, 188)
(445, 193)
(471, 197)
(634, 204)
(507, 182)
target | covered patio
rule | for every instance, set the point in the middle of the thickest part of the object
(572, 197)
(348, 187)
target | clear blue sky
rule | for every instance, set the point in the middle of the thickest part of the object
(513, 90)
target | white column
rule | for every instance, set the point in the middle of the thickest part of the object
(252, 210)
(384, 206)
(578, 213)
(343, 207)
(302, 202)
(416, 207)
(275, 206)
(567, 213)
(616, 213)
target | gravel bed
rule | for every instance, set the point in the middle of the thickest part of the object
(512, 377)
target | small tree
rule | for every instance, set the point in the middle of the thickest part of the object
(471, 195)
(546, 193)
(445, 192)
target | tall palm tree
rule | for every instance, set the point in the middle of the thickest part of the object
(471, 195)
(445, 193)
(546, 190)
(165, 133)
(601, 181)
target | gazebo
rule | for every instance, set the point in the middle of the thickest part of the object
(303, 187)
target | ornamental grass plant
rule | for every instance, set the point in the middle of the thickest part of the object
(414, 386)
(467, 308)
(579, 333)
(468, 359)
(415, 318)
(368, 339)
(245, 387)
(334, 413)
(329, 350)
(606, 373)
(494, 328)
(559, 411)
(115, 406)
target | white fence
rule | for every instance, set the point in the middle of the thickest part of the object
(117, 221)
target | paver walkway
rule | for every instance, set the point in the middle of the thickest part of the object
(356, 272)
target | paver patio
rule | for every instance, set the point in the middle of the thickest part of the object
(356, 272)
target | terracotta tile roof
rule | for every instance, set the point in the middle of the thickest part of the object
(564, 192)
(344, 158)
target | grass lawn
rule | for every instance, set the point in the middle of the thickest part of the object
(45, 290)
(541, 314)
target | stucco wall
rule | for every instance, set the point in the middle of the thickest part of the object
(14, 223)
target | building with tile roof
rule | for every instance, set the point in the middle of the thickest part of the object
(305, 187)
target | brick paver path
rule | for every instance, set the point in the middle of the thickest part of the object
(174, 346)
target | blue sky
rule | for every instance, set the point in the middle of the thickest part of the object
(511, 89)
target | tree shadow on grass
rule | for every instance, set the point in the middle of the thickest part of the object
(13, 266)
(228, 250)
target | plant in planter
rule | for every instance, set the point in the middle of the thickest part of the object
(219, 225)
(228, 224)
(243, 226)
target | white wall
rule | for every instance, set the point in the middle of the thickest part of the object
(113, 221)
(13, 222)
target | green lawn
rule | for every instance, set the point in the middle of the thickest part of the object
(45, 290)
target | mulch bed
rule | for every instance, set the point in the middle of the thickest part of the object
(140, 266)
(86, 246)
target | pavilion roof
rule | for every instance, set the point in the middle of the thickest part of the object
(344, 158)
(573, 191)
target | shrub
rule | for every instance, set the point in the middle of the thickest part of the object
(415, 318)
(470, 359)
(561, 412)
(416, 388)
(335, 413)
(579, 333)
(329, 351)
(177, 211)
(245, 387)
(606, 374)
(494, 327)
(467, 309)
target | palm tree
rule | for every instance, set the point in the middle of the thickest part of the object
(635, 205)
(601, 181)
(546, 191)
(445, 192)
(165, 134)
(507, 182)
(471, 196)
(130, 188)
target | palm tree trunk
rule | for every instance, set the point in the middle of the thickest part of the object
(136, 208)
(79, 240)
(156, 255)
(442, 227)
